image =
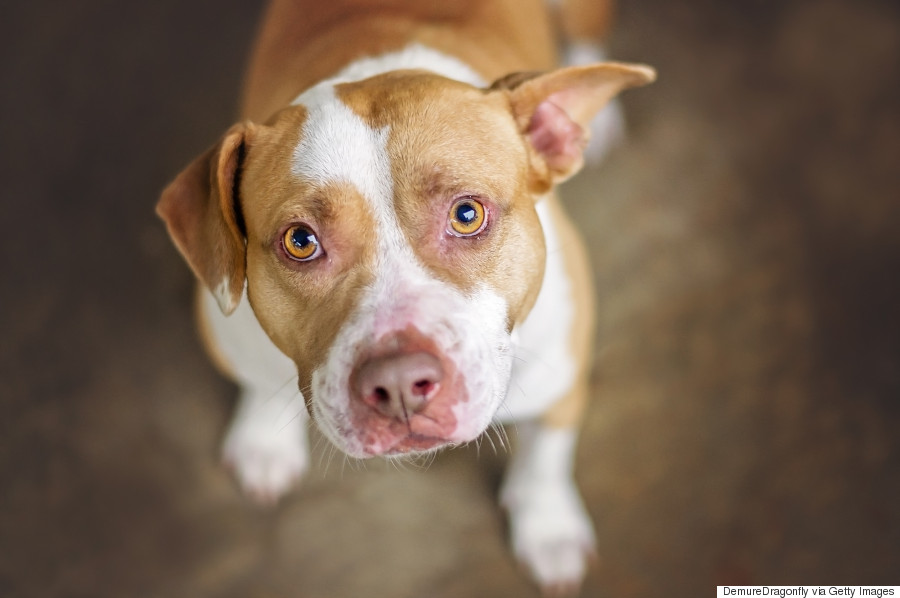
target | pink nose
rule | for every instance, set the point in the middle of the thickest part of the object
(398, 385)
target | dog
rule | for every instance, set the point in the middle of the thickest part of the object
(381, 233)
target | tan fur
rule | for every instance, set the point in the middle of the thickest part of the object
(586, 20)
(303, 42)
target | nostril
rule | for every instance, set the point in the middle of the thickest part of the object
(424, 388)
(381, 395)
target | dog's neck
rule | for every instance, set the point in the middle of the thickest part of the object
(302, 43)
(414, 56)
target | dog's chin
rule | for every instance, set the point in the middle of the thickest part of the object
(415, 445)
(411, 445)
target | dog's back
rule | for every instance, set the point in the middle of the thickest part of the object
(302, 42)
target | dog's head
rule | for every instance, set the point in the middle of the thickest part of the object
(387, 234)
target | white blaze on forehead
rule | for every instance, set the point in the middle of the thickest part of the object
(337, 146)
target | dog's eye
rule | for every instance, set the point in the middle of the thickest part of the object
(301, 244)
(467, 217)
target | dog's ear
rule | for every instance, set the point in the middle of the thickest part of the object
(201, 209)
(554, 109)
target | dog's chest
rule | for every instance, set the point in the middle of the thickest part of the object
(544, 366)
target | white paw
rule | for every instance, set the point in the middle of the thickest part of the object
(267, 454)
(551, 536)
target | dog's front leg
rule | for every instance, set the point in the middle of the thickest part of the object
(266, 445)
(551, 532)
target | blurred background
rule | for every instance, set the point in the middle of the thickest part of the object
(746, 246)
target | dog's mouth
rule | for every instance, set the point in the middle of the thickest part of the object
(393, 438)
(416, 443)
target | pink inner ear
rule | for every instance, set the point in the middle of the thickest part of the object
(556, 137)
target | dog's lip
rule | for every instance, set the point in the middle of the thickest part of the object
(413, 442)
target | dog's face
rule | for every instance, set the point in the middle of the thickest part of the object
(388, 236)
(392, 243)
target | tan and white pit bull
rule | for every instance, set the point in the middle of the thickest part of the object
(381, 232)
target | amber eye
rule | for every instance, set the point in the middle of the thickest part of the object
(467, 217)
(300, 243)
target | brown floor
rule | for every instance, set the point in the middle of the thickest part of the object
(747, 252)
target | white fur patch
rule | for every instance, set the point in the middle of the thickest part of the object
(544, 370)
(222, 293)
(413, 56)
(248, 351)
(266, 443)
(551, 532)
(337, 146)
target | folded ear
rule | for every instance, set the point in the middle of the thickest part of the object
(202, 212)
(554, 109)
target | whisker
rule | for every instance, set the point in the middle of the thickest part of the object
(400, 464)
(500, 439)
(315, 449)
(506, 435)
(332, 451)
(537, 356)
(489, 439)
(505, 407)
(278, 390)
(296, 415)
(293, 396)
(430, 458)
(498, 431)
